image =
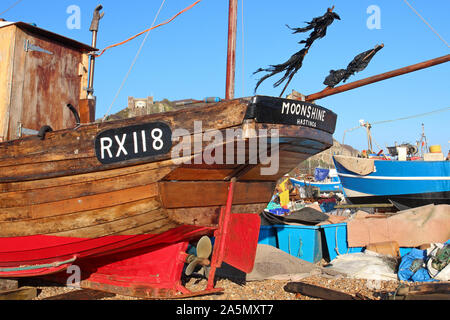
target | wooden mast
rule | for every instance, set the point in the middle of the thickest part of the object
(231, 54)
(380, 77)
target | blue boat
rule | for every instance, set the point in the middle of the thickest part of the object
(327, 180)
(406, 184)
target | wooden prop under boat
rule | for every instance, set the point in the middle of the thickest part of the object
(116, 203)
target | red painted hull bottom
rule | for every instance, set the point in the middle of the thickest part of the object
(145, 266)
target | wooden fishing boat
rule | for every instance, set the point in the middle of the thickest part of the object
(122, 200)
(405, 184)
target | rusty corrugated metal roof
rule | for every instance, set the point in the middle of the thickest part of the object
(49, 35)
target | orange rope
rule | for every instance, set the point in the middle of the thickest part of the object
(141, 33)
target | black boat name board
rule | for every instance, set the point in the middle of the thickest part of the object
(291, 112)
(133, 142)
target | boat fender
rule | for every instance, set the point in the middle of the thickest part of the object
(43, 131)
(75, 113)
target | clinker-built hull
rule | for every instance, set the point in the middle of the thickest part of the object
(104, 193)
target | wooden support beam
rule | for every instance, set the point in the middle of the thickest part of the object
(318, 292)
(84, 294)
(373, 205)
(25, 293)
(6, 284)
(87, 110)
(425, 288)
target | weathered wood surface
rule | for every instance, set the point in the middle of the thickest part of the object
(40, 84)
(212, 193)
(209, 216)
(317, 292)
(425, 288)
(58, 187)
(425, 296)
(70, 152)
(82, 295)
(7, 284)
(25, 293)
(6, 69)
(80, 190)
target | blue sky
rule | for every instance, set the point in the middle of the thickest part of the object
(187, 58)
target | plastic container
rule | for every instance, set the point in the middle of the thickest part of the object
(279, 211)
(268, 235)
(336, 240)
(303, 242)
(436, 149)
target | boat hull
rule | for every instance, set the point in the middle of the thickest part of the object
(324, 187)
(89, 192)
(408, 183)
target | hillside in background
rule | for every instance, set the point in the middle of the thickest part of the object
(324, 159)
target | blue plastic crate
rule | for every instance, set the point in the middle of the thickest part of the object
(338, 232)
(336, 239)
(303, 242)
(268, 235)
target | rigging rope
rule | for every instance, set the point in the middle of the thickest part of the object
(415, 116)
(12, 6)
(432, 29)
(133, 63)
(398, 119)
(151, 28)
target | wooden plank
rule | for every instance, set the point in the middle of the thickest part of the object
(6, 68)
(62, 207)
(87, 110)
(81, 189)
(71, 223)
(198, 174)
(425, 296)
(86, 177)
(7, 284)
(367, 205)
(25, 293)
(209, 216)
(214, 117)
(424, 288)
(211, 193)
(83, 73)
(82, 295)
(71, 156)
(317, 292)
(152, 222)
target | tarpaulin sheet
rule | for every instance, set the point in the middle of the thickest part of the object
(361, 166)
(321, 174)
(410, 228)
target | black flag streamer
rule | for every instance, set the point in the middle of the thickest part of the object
(319, 26)
(359, 63)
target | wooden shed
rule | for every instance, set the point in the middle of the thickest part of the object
(40, 73)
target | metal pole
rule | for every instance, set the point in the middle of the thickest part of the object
(94, 30)
(90, 89)
(349, 86)
(231, 54)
